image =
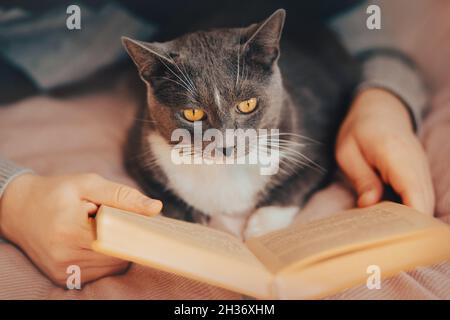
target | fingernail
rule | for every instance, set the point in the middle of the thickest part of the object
(368, 197)
(153, 204)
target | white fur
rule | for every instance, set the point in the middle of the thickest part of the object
(216, 97)
(216, 189)
(266, 219)
(231, 224)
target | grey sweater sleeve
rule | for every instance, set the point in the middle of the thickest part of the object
(383, 63)
(9, 171)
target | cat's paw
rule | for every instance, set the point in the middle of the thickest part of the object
(266, 219)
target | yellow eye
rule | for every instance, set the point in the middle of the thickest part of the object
(247, 106)
(193, 114)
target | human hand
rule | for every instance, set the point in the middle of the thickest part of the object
(49, 219)
(376, 143)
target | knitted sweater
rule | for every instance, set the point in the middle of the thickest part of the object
(9, 171)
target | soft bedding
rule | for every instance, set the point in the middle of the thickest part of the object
(54, 136)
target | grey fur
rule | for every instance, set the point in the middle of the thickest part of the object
(302, 90)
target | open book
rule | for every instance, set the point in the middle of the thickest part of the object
(302, 261)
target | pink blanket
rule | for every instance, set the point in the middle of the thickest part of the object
(85, 134)
(82, 135)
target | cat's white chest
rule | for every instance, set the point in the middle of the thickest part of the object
(213, 189)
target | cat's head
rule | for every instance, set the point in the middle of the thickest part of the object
(225, 78)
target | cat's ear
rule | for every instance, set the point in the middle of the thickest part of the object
(146, 56)
(263, 39)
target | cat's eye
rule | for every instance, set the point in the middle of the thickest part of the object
(247, 106)
(193, 114)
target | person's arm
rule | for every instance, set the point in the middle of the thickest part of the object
(49, 218)
(377, 142)
(9, 171)
(384, 64)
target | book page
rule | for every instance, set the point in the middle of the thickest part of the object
(181, 247)
(330, 276)
(350, 230)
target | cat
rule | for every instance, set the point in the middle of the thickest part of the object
(299, 87)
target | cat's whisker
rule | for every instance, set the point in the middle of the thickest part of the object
(141, 155)
(144, 120)
(167, 56)
(174, 81)
(291, 169)
(194, 87)
(308, 163)
(178, 77)
(185, 76)
(289, 134)
(286, 142)
(296, 163)
(238, 67)
(281, 142)
(189, 150)
(300, 154)
(293, 154)
(150, 162)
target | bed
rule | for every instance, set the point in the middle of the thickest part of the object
(85, 134)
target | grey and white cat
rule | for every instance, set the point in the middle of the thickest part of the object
(301, 89)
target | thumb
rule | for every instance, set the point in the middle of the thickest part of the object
(101, 191)
(360, 173)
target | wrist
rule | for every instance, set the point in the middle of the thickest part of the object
(382, 104)
(11, 202)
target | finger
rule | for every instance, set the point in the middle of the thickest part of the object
(93, 273)
(89, 207)
(427, 186)
(91, 258)
(421, 196)
(412, 195)
(101, 191)
(82, 222)
(360, 173)
(408, 173)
